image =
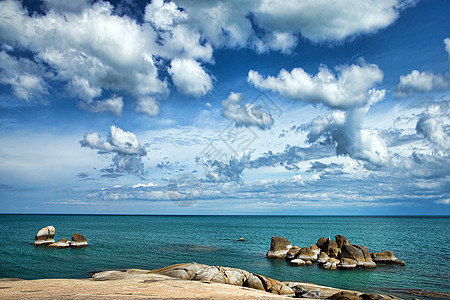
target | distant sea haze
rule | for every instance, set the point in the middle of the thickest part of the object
(150, 242)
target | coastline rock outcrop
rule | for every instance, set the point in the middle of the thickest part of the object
(279, 247)
(78, 240)
(62, 243)
(330, 254)
(45, 236)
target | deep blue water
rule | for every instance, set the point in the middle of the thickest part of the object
(150, 242)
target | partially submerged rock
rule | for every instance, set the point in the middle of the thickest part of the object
(307, 254)
(360, 254)
(62, 243)
(297, 262)
(78, 240)
(45, 236)
(347, 263)
(384, 257)
(292, 253)
(279, 247)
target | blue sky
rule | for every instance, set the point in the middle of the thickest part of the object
(225, 107)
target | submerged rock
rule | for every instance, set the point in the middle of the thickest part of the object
(384, 257)
(45, 236)
(400, 262)
(297, 262)
(78, 240)
(279, 247)
(62, 243)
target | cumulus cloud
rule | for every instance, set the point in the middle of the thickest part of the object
(433, 126)
(421, 82)
(248, 115)
(352, 87)
(345, 131)
(447, 45)
(230, 171)
(189, 77)
(24, 76)
(126, 146)
(113, 105)
(148, 106)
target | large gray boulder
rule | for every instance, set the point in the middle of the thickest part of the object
(45, 236)
(279, 247)
(78, 240)
(360, 254)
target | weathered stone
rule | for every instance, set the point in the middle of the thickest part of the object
(279, 247)
(323, 257)
(314, 249)
(341, 240)
(307, 254)
(254, 282)
(334, 252)
(292, 253)
(359, 253)
(274, 286)
(181, 271)
(330, 246)
(384, 257)
(345, 295)
(45, 236)
(320, 242)
(78, 240)
(331, 264)
(400, 262)
(62, 243)
(378, 297)
(347, 263)
(222, 275)
(297, 262)
(308, 262)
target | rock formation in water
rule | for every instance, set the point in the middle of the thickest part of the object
(62, 243)
(45, 236)
(330, 254)
(78, 240)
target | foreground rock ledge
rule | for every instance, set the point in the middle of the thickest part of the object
(186, 281)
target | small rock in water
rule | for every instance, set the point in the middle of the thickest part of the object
(78, 240)
(279, 247)
(45, 236)
(241, 240)
(297, 262)
(62, 243)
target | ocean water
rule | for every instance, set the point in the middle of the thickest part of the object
(150, 242)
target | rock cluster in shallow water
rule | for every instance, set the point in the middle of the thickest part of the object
(330, 254)
(46, 236)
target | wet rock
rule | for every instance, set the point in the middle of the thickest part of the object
(384, 257)
(292, 253)
(347, 263)
(45, 236)
(241, 240)
(331, 264)
(279, 247)
(400, 262)
(308, 262)
(307, 254)
(62, 243)
(78, 240)
(297, 262)
(341, 240)
(323, 257)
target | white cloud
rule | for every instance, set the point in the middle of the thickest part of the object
(231, 171)
(148, 106)
(113, 105)
(447, 45)
(143, 185)
(433, 125)
(351, 88)
(443, 201)
(189, 77)
(24, 76)
(119, 141)
(248, 115)
(421, 82)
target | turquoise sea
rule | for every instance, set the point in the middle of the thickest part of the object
(150, 242)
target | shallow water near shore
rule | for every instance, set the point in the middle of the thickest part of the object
(150, 242)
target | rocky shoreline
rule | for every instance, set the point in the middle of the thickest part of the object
(182, 281)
